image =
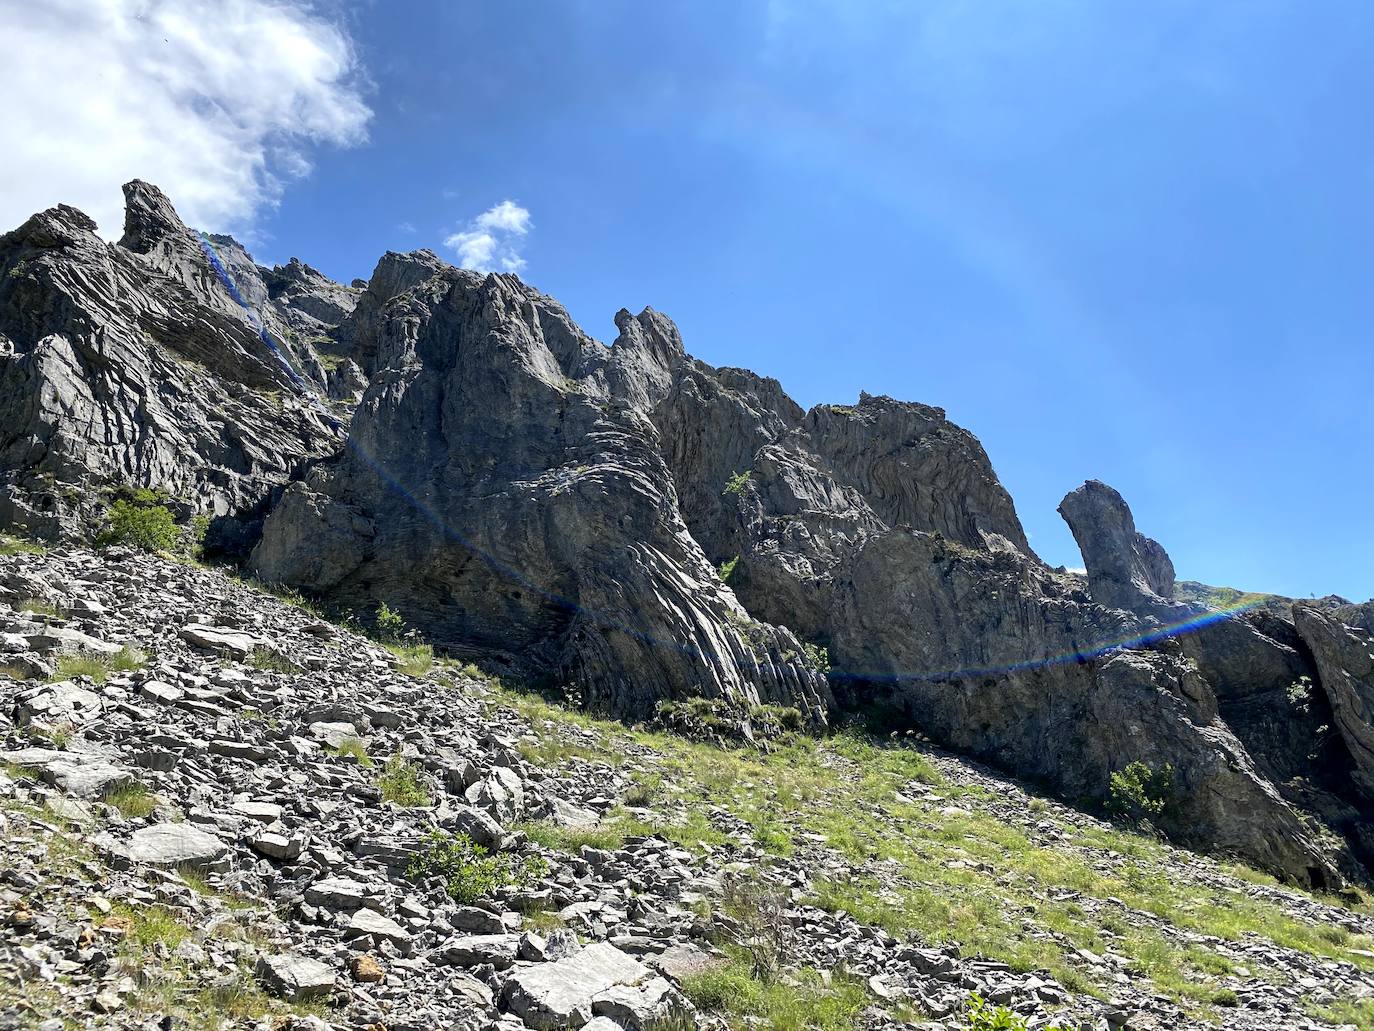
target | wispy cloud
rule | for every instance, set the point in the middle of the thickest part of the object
(405, 227)
(491, 242)
(214, 102)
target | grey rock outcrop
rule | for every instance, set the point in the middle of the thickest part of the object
(1345, 663)
(133, 364)
(502, 492)
(1126, 569)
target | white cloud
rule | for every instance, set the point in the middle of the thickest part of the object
(215, 101)
(492, 241)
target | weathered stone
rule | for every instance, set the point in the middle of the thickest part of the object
(648, 1004)
(237, 643)
(559, 995)
(66, 701)
(370, 922)
(340, 893)
(295, 978)
(499, 793)
(169, 845)
(469, 950)
(366, 970)
(285, 848)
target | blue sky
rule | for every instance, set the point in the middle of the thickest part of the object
(1115, 240)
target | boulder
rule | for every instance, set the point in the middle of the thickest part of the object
(294, 978)
(66, 702)
(500, 950)
(238, 643)
(499, 793)
(169, 846)
(561, 994)
(651, 1003)
(77, 774)
(340, 893)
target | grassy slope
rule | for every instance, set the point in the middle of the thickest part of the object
(943, 856)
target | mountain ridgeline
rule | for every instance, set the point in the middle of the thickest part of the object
(633, 526)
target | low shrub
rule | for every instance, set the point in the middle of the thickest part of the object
(1139, 793)
(645, 790)
(983, 1016)
(737, 483)
(760, 909)
(469, 871)
(388, 625)
(150, 527)
(817, 657)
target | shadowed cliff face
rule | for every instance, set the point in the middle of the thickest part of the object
(566, 510)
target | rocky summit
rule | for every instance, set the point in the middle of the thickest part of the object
(395, 655)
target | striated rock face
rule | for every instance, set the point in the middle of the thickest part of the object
(500, 490)
(1126, 569)
(133, 364)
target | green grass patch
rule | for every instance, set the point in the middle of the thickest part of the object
(417, 659)
(400, 783)
(11, 545)
(98, 667)
(966, 877)
(573, 839)
(352, 747)
(805, 1002)
(38, 607)
(271, 660)
(133, 801)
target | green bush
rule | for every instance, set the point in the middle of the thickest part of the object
(389, 623)
(469, 871)
(150, 527)
(982, 1016)
(737, 483)
(727, 568)
(1139, 792)
(200, 529)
